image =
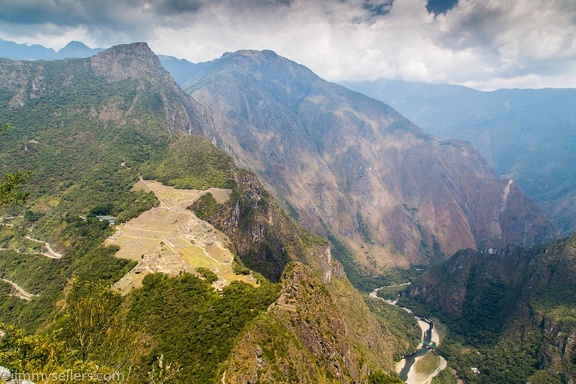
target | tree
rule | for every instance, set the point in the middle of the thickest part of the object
(380, 377)
(91, 315)
(10, 185)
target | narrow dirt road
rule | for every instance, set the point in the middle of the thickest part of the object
(20, 292)
(50, 252)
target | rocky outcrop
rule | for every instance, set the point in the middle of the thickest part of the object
(154, 87)
(265, 238)
(558, 349)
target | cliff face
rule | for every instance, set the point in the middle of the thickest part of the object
(352, 167)
(319, 329)
(155, 86)
(510, 128)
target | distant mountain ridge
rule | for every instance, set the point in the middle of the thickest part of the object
(73, 49)
(525, 134)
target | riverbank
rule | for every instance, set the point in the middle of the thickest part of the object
(423, 365)
(422, 372)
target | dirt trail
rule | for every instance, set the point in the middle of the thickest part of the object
(50, 252)
(20, 292)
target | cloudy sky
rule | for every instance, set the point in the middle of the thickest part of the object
(485, 44)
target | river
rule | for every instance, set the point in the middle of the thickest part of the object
(406, 367)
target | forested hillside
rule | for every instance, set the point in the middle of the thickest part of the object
(510, 312)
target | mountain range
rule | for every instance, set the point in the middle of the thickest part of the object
(73, 49)
(331, 155)
(88, 129)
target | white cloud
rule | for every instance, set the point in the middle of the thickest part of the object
(485, 43)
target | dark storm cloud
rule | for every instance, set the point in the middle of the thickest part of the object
(67, 12)
(115, 12)
(108, 22)
(179, 6)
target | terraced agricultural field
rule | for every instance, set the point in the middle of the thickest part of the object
(171, 239)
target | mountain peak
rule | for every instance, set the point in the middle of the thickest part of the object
(74, 44)
(251, 53)
(76, 49)
(126, 61)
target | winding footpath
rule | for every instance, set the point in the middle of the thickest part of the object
(407, 367)
(51, 253)
(21, 293)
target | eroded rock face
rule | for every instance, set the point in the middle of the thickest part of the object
(126, 62)
(354, 168)
(155, 85)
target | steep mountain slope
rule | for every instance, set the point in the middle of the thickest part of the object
(88, 128)
(352, 168)
(525, 134)
(498, 299)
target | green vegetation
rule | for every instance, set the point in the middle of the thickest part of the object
(427, 364)
(391, 292)
(543, 377)
(380, 377)
(207, 274)
(205, 206)
(358, 276)
(10, 184)
(513, 313)
(194, 325)
(444, 377)
(87, 141)
(361, 279)
(178, 328)
(400, 323)
(192, 162)
(9, 188)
